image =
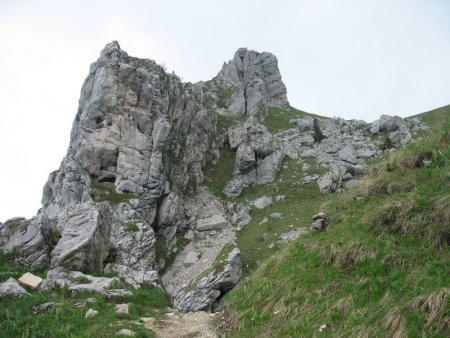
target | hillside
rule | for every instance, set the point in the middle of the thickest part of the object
(381, 267)
(178, 200)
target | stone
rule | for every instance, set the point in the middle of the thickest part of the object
(261, 202)
(240, 214)
(326, 183)
(126, 332)
(112, 293)
(346, 154)
(303, 124)
(320, 215)
(207, 290)
(191, 259)
(42, 308)
(264, 220)
(133, 276)
(85, 239)
(276, 215)
(280, 198)
(319, 225)
(90, 313)
(75, 281)
(11, 288)
(122, 308)
(291, 235)
(215, 222)
(30, 280)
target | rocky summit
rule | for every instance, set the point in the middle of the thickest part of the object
(130, 195)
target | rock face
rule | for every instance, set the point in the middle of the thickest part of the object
(205, 294)
(253, 82)
(139, 144)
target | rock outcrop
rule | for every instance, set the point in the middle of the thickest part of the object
(133, 174)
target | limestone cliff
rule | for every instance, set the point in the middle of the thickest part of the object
(140, 141)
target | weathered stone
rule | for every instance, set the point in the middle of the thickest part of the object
(280, 198)
(291, 235)
(42, 308)
(90, 313)
(75, 281)
(126, 332)
(133, 276)
(214, 222)
(122, 308)
(261, 202)
(12, 288)
(112, 293)
(30, 280)
(208, 289)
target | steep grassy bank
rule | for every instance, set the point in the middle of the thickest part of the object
(380, 269)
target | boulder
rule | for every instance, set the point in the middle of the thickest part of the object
(12, 288)
(30, 280)
(90, 313)
(215, 222)
(75, 281)
(203, 294)
(261, 202)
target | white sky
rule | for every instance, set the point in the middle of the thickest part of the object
(354, 58)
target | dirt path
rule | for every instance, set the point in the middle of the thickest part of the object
(183, 325)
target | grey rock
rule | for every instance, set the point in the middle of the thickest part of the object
(90, 313)
(276, 215)
(126, 332)
(320, 215)
(346, 154)
(239, 213)
(84, 242)
(12, 288)
(291, 235)
(75, 281)
(303, 124)
(42, 308)
(391, 123)
(280, 198)
(257, 81)
(122, 308)
(215, 222)
(264, 220)
(112, 293)
(261, 202)
(319, 225)
(205, 292)
(133, 276)
(191, 259)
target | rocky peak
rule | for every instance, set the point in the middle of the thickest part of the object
(253, 82)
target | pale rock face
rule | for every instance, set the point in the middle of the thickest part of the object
(208, 289)
(256, 83)
(131, 115)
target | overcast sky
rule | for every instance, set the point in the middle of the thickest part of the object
(355, 59)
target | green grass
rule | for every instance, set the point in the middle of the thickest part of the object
(63, 320)
(130, 227)
(223, 95)
(162, 251)
(278, 119)
(434, 118)
(106, 192)
(217, 176)
(379, 270)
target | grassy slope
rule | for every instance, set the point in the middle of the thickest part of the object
(63, 320)
(381, 268)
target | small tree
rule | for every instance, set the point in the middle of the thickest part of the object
(318, 135)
